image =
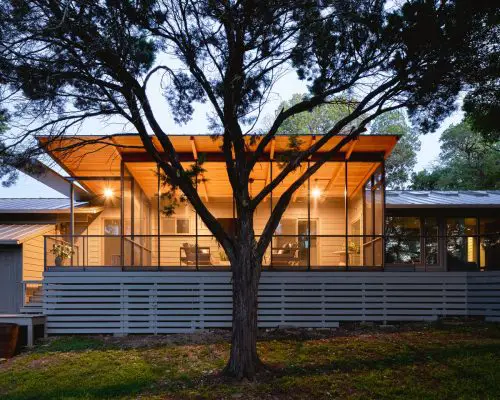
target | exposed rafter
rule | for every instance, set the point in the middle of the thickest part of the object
(336, 173)
(351, 149)
(362, 182)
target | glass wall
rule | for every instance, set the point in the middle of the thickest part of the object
(402, 240)
(332, 220)
(489, 248)
(433, 243)
(461, 243)
(373, 217)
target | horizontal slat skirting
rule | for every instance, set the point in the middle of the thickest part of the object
(177, 302)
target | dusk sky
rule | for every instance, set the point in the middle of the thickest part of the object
(283, 90)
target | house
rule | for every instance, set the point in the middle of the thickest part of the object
(443, 230)
(115, 263)
(24, 222)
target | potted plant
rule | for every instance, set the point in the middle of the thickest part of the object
(62, 251)
(353, 247)
(222, 255)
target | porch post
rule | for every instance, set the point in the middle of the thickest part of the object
(346, 215)
(122, 213)
(309, 246)
(72, 217)
(271, 208)
(158, 221)
(383, 221)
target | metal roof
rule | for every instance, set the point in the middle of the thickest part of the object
(17, 234)
(25, 205)
(440, 199)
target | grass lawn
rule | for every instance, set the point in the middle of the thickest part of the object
(417, 362)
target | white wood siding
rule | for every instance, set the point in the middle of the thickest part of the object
(167, 302)
(34, 257)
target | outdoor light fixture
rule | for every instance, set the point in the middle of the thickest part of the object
(316, 193)
(108, 193)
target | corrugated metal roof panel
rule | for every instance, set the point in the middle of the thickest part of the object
(440, 198)
(16, 234)
(41, 204)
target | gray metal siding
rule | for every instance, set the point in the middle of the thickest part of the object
(10, 279)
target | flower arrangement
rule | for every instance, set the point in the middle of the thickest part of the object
(62, 251)
(222, 255)
(353, 247)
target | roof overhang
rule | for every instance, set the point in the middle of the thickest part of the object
(99, 159)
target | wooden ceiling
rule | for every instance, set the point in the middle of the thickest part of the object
(90, 156)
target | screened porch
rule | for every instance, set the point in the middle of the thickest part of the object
(334, 221)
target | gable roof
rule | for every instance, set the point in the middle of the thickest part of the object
(17, 234)
(440, 198)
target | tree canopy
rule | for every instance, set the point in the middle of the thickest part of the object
(399, 165)
(62, 63)
(467, 161)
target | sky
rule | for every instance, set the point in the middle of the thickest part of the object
(283, 90)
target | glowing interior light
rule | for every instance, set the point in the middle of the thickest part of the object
(316, 193)
(108, 193)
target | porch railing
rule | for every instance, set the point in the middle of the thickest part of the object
(287, 252)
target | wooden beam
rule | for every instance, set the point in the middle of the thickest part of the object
(351, 148)
(193, 148)
(362, 182)
(219, 157)
(273, 147)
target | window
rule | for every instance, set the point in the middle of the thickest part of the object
(431, 236)
(461, 243)
(489, 249)
(403, 240)
(175, 226)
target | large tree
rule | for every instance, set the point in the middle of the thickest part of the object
(467, 161)
(66, 61)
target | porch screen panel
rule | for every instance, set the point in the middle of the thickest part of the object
(127, 222)
(291, 240)
(355, 229)
(327, 209)
(216, 193)
(368, 224)
(260, 177)
(378, 216)
(177, 236)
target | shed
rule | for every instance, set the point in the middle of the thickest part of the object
(21, 259)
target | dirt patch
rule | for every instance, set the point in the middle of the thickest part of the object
(284, 333)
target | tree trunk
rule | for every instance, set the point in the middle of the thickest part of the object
(244, 361)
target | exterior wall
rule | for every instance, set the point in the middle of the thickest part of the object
(34, 258)
(10, 279)
(169, 302)
(95, 245)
